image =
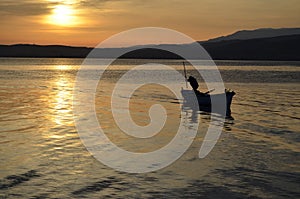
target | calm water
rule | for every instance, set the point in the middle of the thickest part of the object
(42, 156)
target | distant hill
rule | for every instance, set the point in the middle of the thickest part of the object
(282, 48)
(32, 50)
(258, 33)
(285, 47)
(274, 48)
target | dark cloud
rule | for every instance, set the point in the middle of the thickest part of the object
(38, 7)
(25, 7)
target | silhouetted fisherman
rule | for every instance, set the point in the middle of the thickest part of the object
(193, 82)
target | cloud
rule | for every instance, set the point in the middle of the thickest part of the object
(97, 4)
(44, 7)
(25, 7)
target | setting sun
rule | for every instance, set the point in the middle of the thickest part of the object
(62, 15)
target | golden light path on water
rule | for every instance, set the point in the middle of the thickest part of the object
(63, 97)
(61, 102)
(62, 67)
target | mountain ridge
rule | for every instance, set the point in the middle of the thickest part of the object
(257, 33)
(285, 47)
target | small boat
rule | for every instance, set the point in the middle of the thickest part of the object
(204, 101)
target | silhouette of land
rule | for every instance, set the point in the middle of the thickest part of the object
(258, 33)
(242, 45)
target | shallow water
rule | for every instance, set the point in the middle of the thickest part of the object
(42, 156)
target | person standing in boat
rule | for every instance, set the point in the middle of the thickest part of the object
(193, 82)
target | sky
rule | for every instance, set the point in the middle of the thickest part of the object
(88, 22)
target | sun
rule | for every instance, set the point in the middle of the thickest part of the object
(62, 15)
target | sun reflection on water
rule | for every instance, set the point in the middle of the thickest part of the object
(62, 101)
(62, 67)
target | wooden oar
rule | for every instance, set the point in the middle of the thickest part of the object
(210, 91)
(186, 84)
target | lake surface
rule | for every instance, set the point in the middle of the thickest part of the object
(42, 156)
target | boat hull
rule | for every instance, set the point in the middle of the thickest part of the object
(204, 101)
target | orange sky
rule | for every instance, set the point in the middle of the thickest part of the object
(88, 22)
